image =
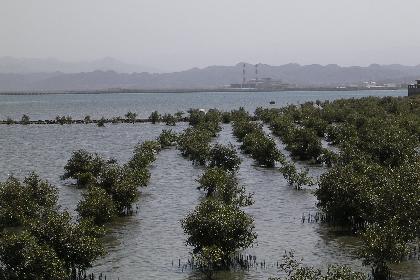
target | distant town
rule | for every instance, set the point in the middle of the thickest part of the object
(270, 84)
(240, 77)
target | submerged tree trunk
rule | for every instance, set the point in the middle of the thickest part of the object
(381, 272)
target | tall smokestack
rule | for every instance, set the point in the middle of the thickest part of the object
(256, 72)
(243, 75)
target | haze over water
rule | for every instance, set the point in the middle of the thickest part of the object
(182, 34)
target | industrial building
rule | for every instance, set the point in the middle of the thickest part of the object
(414, 89)
(258, 83)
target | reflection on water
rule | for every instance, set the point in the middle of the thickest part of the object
(144, 246)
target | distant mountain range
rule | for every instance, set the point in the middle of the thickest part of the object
(209, 77)
(34, 65)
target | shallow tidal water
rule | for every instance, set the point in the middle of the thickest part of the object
(145, 245)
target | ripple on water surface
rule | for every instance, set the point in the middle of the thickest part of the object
(143, 246)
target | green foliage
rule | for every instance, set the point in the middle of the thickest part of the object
(195, 144)
(266, 115)
(254, 142)
(226, 117)
(63, 120)
(112, 188)
(209, 258)
(295, 178)
(240, 114)
(304, 144)
(40, 191)
(242, 127)
(224, 157)
(9, 121)
(39, 242)
(316, 124)
(223, 185)
(116, 120)
(76, 245)
(220, 228)
(386, 142)
(21, 202)
(341, 133)
(261, 148)
(209, 121)
(167, 138)
(97, 205)
(301, 140)
(213, 116)
(300, 128)
(131, 117)
(144, 154)
(155, 117)
(196, 117)
(25, 120)
(169, 119)
(374, 183)
(83, 167)
(101, 122)
(295, 270)
(282, 126)
(328, 157)
(87, 119)
(342, 191)
(210, 127)
(22, 257)
(360, 191)
(122, 183)
(382, 244)
(178, 115)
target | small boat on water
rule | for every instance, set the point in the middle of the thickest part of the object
(272, 102)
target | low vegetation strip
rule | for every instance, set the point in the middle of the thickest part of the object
(263, 149)
(130, 117)
(38, 241)
(373, 184)
(217, 228)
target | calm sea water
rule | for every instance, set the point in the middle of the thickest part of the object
(144, 246)
(111, 105)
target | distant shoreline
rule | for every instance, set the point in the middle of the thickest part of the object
(112, 91)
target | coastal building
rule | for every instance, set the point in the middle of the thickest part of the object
(261, 84)
(414, 89)
(257, 84)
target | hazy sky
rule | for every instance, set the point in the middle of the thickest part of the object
(179, 34)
